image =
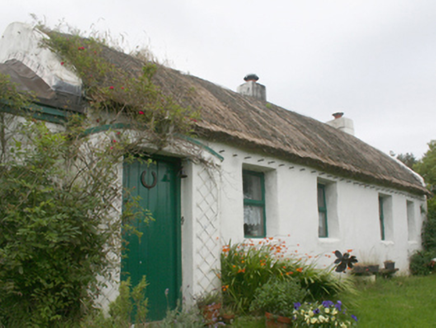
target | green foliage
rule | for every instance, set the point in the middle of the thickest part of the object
(183, 317)
(128, 302)
(246, 267)
(278, 296)
(208, 298)
(421, 263)
(128, 97)
(10, 96)
(406, 302)
(326, 314)
(429, 230)
(426, 167)
(408, 159)
(57, 226)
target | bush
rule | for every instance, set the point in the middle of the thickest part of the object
(278, 296)
(57, 226)
(421, 263)
(246, 267)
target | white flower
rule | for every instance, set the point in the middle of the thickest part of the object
(313, 320)
(335, 312)
(327, 310)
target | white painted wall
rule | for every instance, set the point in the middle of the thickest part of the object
(292, 211)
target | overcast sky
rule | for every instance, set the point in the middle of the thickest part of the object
(374, 60)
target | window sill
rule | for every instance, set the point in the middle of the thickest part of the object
(387, 242)
(328, 240)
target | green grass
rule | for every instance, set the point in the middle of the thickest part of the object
(399, 302)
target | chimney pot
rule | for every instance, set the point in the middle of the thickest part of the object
(251, 77)
(338, 115)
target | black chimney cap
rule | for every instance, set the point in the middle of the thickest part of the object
(251, 77)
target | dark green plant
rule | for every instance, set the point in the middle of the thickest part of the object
(278, 296)
(208, 298)
(183, 317)
(246, 267)
(422, 264)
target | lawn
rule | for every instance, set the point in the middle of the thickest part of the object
(399, 302)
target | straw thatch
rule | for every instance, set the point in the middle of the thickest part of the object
(251, 124)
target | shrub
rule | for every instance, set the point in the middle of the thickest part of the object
(246, 267)
(183, 317)
(278, 296)
(421, 263)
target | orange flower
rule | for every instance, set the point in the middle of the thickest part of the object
(241, 270)
(270, 238)
(242, 261)
(300, 269)
(349, 250)
(234, 266)
(262, 264)
(284, 267)
(288, 273)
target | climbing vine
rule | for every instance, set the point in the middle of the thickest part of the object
(60, 193)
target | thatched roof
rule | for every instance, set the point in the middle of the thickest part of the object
(251, 124)
(246, 122)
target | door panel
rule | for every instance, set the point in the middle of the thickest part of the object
(157, 253)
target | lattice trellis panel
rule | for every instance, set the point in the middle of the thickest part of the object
(207, 232)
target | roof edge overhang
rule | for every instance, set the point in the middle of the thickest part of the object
(316, 163)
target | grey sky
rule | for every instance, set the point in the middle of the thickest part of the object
(374, 60)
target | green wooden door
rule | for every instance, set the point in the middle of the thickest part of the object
(157, 254)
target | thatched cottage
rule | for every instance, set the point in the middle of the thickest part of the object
(277, 174)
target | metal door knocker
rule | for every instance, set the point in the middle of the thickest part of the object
(144, 183)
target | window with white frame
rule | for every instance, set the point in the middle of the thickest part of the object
(254, 204)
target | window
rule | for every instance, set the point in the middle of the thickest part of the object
(322, 210)
(381, 217)
(385, 217)
(411, 220)
(254, 203)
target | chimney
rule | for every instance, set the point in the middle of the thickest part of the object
(342, 123)
(252, 88)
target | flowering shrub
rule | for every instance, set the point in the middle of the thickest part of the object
(247, 266)
(327, 314)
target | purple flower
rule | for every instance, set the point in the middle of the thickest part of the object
(316, 311)
(354, 317)
(327, 304)
(297, 305)
(338, 305)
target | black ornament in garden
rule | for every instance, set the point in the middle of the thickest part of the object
(344, 261)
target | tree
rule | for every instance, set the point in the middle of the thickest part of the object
(426, 167)
(408, 159)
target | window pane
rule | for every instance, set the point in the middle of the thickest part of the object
(252, 187)
(253, 221)
(321, 202)
(322, 228)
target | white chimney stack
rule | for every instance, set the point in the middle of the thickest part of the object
(342, 123)
(252, 88)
